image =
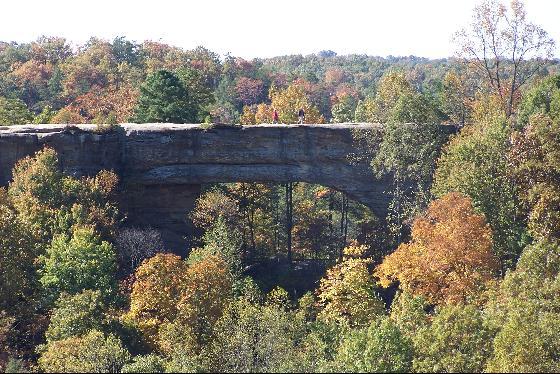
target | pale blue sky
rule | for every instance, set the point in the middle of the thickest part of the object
(252, 28)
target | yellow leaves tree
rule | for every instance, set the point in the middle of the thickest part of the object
(449, 259)
(255, 114)
(391, 87)
(347, 292)
(206, 292)
(289, 101)
(155, 293)
(173, 302)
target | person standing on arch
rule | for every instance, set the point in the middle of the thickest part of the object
(301, 115)
(275, 116)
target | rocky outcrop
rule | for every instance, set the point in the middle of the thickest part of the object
(163, 165)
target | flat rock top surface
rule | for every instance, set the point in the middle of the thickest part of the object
(159, 127)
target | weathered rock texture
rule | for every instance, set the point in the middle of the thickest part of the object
(163, 165)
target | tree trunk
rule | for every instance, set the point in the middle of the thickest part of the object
(289, 218)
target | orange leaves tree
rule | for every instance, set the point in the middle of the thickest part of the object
(449, 258)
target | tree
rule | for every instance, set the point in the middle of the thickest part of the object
(542, 98)
(164, 98)
(253, 338)
(76, 315)
(205, 293)
(249, 91)
(90, 353)
(14, 112)
(449, 258)
(378, 109)
(289, 101)
(48, 202)
(150, 363)
(525, 312)
(343, 110)
(456, 341)
(347, 292)
(212, 205)
(155, 294)
(45, 116)
(475, 163)
(98, 104)
(224, 242)
(78, 262)
(67, 116)
(504, 48)
(201, 96)
(457, 98)
(411, 143)
(94, 66)
(51, 49)
(380, 348)
(17, 256)
(409, 313)
(134, 245)
(534, 161)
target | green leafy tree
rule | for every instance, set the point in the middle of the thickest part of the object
(17, 270)
(49, 203)
(219, 240)
(475, 163)
(542, 98)
(201, 96)
(411, 143)
(76, 315)
(409, 313)
(526, 312)
(79, 262)
(535, 165)
(90, 353)
(45, 116)
(456, 340)
(378, 109)
(150, 363)
(343, 111)
(164, 98)
(14, 112)
(380, 348)
(254, 338)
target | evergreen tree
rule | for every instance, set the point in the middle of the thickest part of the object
(164, 98)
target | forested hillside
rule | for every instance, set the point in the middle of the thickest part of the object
(462, 275)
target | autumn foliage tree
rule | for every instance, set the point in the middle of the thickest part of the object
(347, 292)
(504, 49)
(449, 258)
(534, 159)
(289, 101)
(155, 293)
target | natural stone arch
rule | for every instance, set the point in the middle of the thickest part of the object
(163, 165)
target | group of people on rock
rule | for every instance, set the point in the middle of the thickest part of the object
(301, 116)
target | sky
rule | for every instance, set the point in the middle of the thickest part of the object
(253, 28)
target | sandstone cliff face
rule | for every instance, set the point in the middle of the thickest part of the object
(163, 165)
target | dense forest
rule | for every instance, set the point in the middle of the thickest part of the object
(462, 275)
